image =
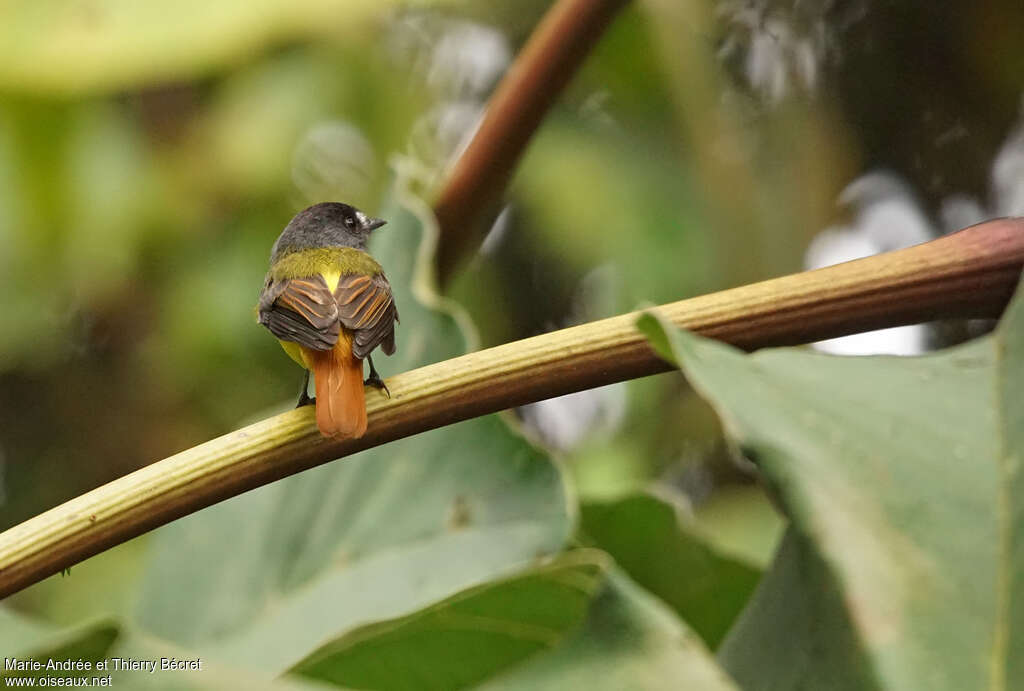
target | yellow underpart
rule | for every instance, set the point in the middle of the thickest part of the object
(294, 351)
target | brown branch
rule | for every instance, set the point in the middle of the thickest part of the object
(969, 274)
(475, 184)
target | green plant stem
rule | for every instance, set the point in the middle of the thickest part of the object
(968, 274)
(474, 185)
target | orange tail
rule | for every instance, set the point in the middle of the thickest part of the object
(340, 402)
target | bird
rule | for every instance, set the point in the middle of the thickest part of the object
(329, 304)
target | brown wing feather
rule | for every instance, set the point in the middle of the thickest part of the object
(367, 308)
(301, 310)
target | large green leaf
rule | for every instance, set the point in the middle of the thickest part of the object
(630, 641)
(184, 674)
(797, 615)
(901, 476)
(741, 521)
(644, 536)
(23, 638)
(262, 580)
(469, 636)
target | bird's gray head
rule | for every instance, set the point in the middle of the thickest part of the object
(327, 224)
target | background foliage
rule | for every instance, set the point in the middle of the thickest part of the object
(608, 539)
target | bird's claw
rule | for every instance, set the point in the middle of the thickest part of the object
(376, 382)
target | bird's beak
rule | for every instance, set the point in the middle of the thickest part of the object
(373, 223)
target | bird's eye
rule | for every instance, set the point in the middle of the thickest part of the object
(350, 222)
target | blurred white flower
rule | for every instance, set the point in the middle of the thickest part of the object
(886, 211)
(885, 217)
(780, 50)
(333, 160)
(468, 58)
(959, 211)
(460, 61)
(457, 58)
(564, 422)
(1008, 176)
(441, 134)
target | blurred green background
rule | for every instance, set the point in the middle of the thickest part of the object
(150, 157)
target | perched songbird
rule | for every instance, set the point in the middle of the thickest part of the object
(329, 304)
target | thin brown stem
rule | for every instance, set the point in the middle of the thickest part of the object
(476, 182)
(968, 274)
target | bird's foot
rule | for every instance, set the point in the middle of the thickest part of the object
(304, 398)
(374, 379)
(376, 382)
